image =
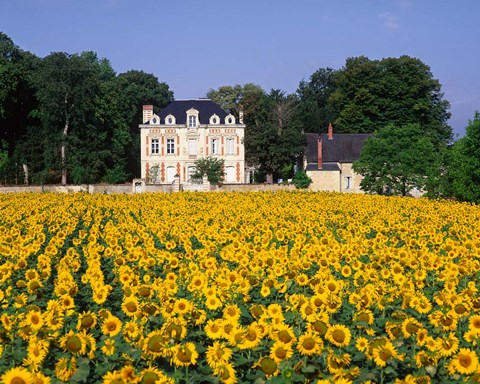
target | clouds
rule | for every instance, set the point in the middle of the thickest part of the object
(389, 20)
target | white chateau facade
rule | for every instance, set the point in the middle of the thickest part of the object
(187, 130)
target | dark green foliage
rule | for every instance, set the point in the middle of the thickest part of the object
(465, 165)
(301, 180)
(369, 94)
(315, 112)
(396, 160)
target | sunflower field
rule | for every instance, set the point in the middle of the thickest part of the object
(285, 287)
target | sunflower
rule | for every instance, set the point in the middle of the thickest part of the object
(364, 316)
(339, 335)
(280, 351)
(309, 344)
(362, 344)
(112, 378)
(226, 373)
(213, 302)
(231, 313)
(410, 326)
(73, 343)
(17, 375)
(40, 378)
(65, 368)
(383, 353)
(283, 333)
(218, 354)
(131, 307)
(214, 329)
(34, 320)
(152, 375)
(268, 366)
(474, 324)
(185, 355)
(86, 320)
(448, 345)
(36, 352)
(111, 326)
(336, 363)
(465, 362)
(252, 336)
(155, 344)
(175, 328)
(109, 347)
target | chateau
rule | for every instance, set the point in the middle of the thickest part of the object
(187, 130)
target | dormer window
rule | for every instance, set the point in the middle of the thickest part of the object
(192, 118)
(170, 119)
(154, 120)
(230, 119)
(214, 119)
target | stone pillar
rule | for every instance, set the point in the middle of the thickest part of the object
(205, 184)
(176, 183)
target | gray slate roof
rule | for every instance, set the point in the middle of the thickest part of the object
(343, 148)
(205, 107)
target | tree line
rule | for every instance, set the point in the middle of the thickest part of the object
(71, 118)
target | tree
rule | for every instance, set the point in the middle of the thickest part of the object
(125, 96)
(370, 94)
(313, 95)
(17, 96)
(67, 87)
(275, 138)
(465, 167)
(396, 160)
(301, 180)
(212, 167)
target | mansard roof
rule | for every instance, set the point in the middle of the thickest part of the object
(205, 107)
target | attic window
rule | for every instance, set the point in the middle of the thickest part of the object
(170, 120)
(192, 121)
(154, 120)
(214, 120)
(229, 120)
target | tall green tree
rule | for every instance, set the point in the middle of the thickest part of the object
(465, 166)
(17, 96)
(396, 160)
(67, 90)
(315, 111)
(274, 140)
(369, 94)
(125, 96)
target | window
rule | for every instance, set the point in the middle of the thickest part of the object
(215, 146)
(155, 147)
(170, 120)
(170, 146)
(192, 121)
(348, 182)
(192, 146)
(230, 150)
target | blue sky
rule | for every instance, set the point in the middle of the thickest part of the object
(194, 45)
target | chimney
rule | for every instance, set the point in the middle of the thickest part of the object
(320, 152)
(147, 113)
(240, 114)
(330, 131)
